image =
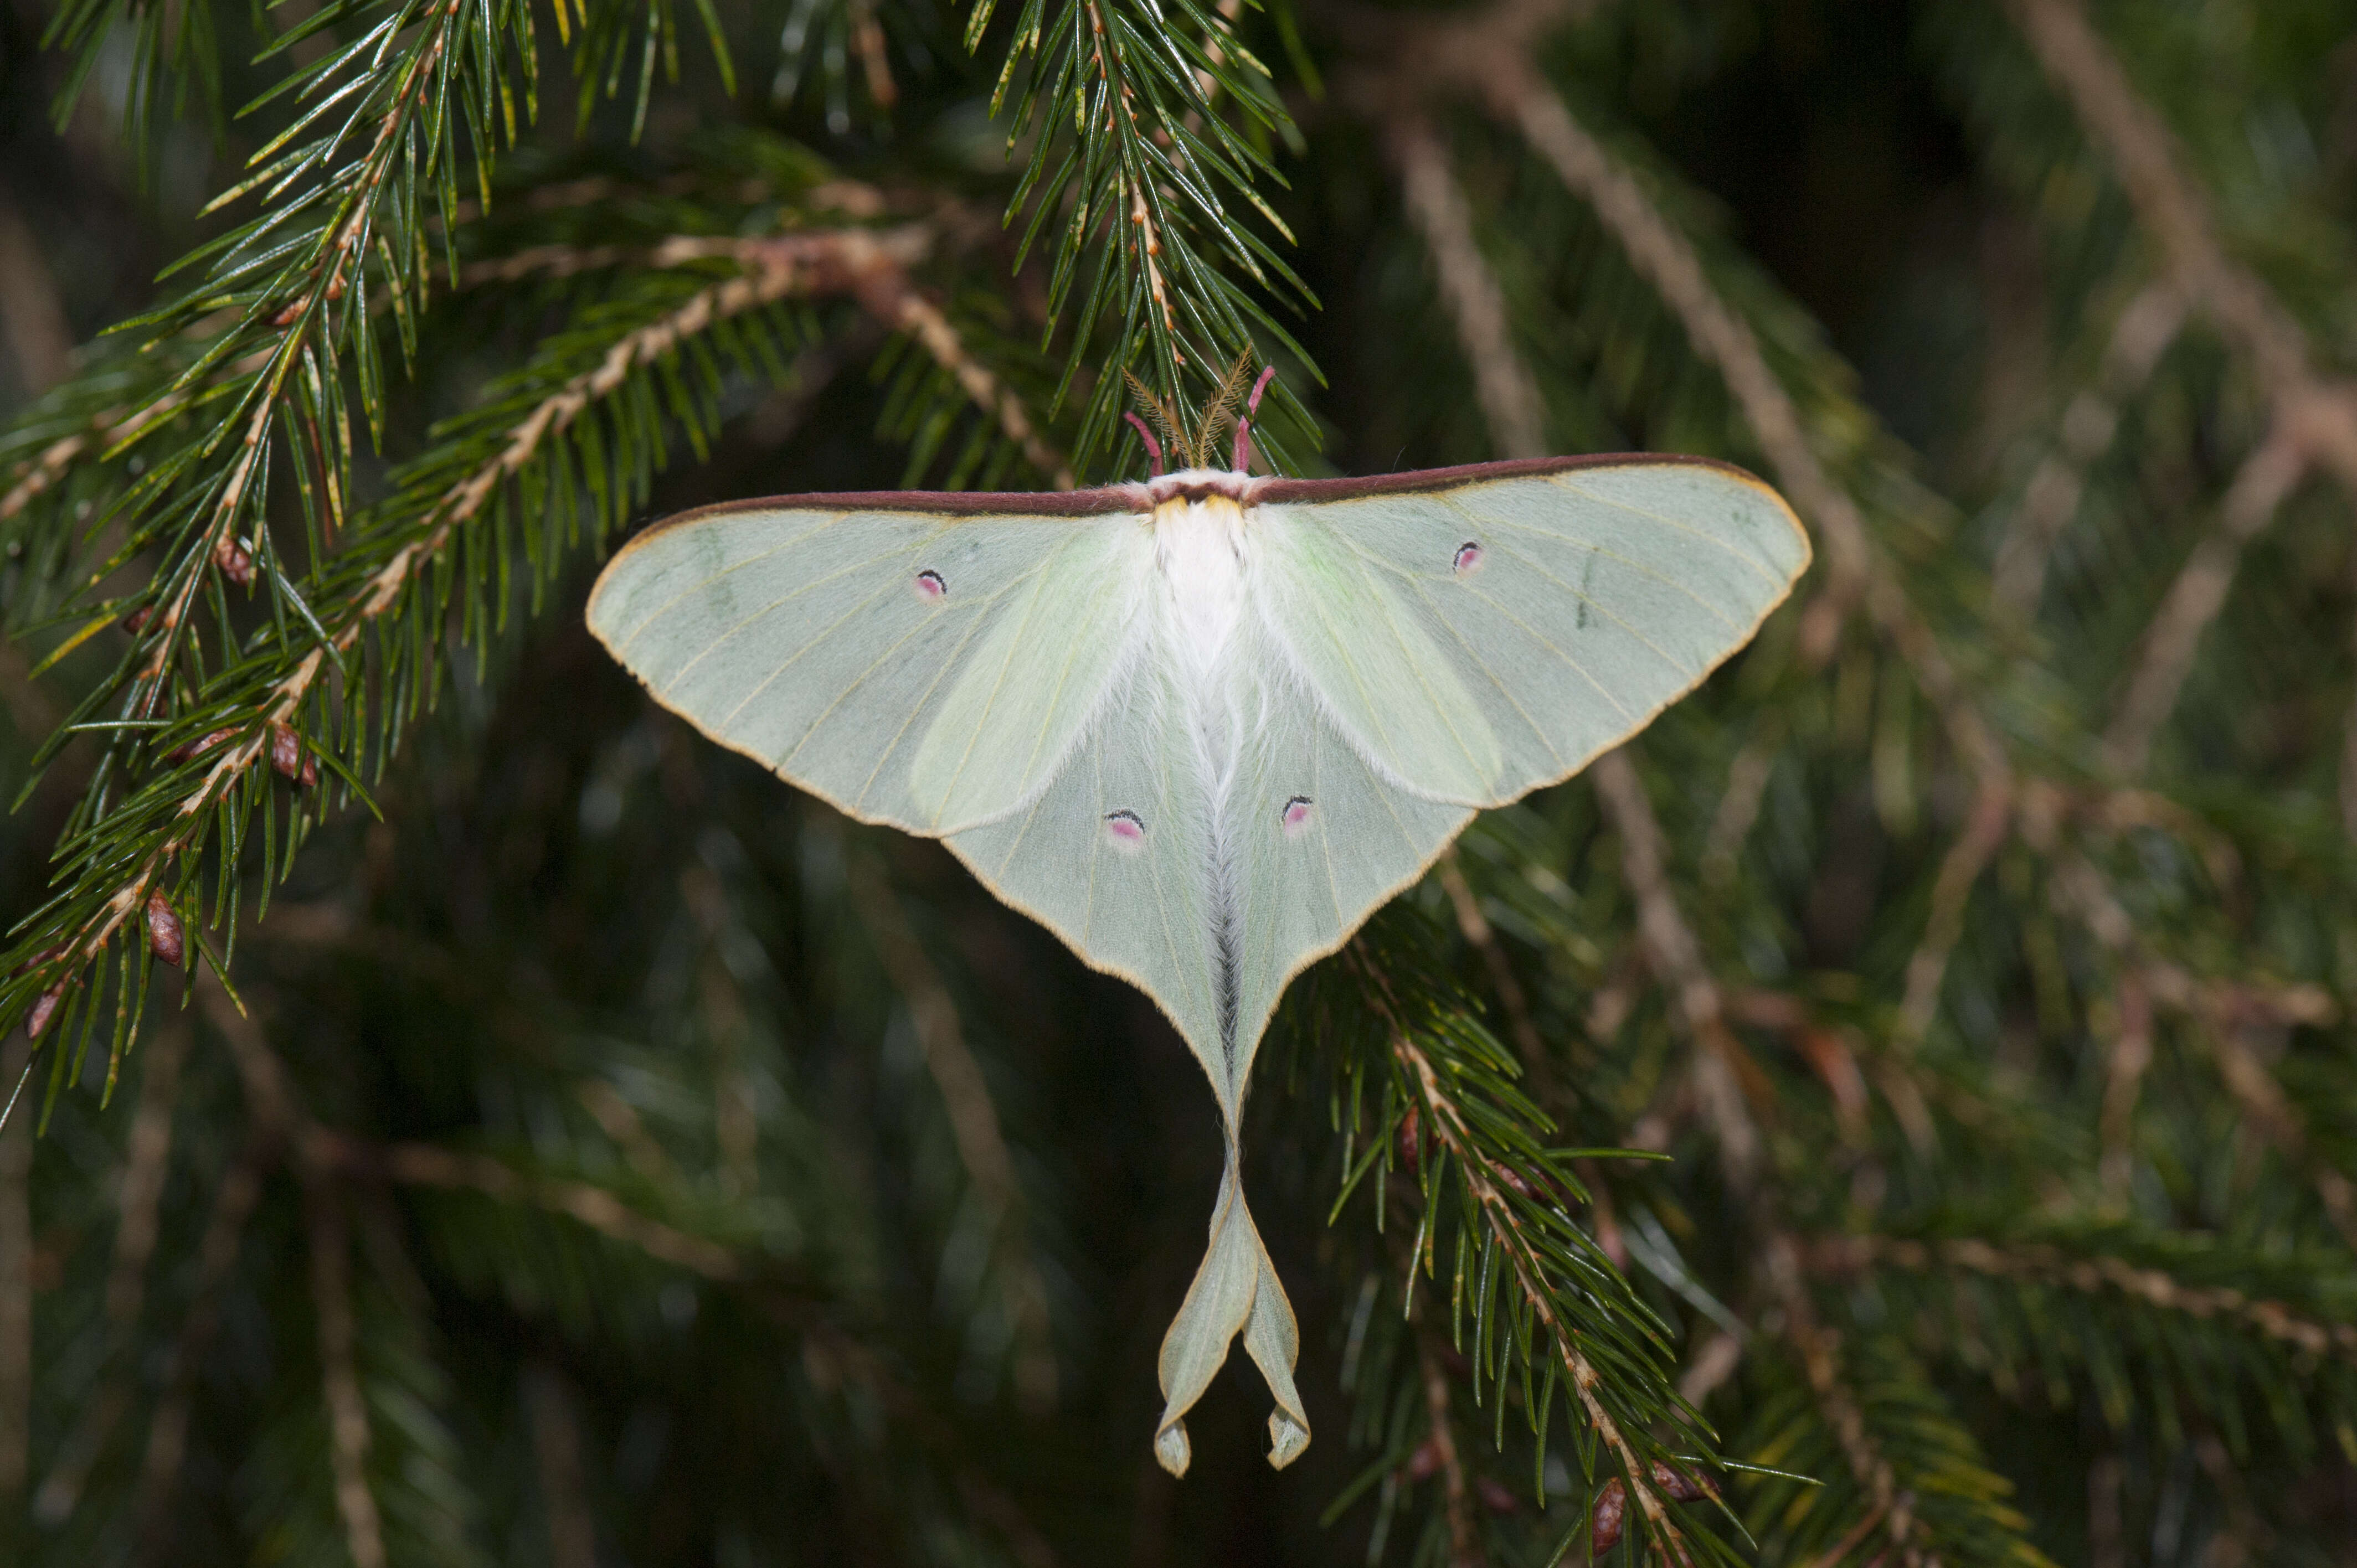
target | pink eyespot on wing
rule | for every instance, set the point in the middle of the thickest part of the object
(1296, 815)
(1468, 558)
(929, 586)
(1126, 829)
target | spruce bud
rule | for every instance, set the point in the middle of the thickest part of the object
(1603, 1524)
(236, 561)
(287, 756)
(164, 930)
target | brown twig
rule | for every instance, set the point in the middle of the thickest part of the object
(2349, 739)
(1510, 402)
(1675, 957)
(2141, 333)
(1478, 931)
(426, 1164)
(2044, 1264)
(146, 1161)
(1819, 1348)
(2170, 203)
(32, 318)
(973, 1123)
(348, 1422)
(2129, 1057)
(2195, 598)
(1738, 806)
(16, 1278)
(167, 1426)
(1456, 1496)
(556, 1443)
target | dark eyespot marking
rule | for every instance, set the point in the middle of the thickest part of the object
(1468, 558)
(1296, 814)
(929, 586)
(1126, 829)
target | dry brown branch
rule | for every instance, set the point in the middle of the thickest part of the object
(2194, 600)
(167, 1426)
(1677, 960)
(348, 1424)
(1477, 930)
(1511, 402)
(426, 1164)
(2319, 416)
(1666, 259)
(1669, 261)
(15, 1277)
(32, 316)
(2230, 1012)
(1738, 806)
(1710, 1367)
(2037, 1261)
(1960, 869)
(2130, 1028)
(2142, 332)
(556, 1443)
(146, 1161)
(2106, 1531)
(622, 1123)
(1456, 1496)
(2227, 1012)
(973, 1123)
(2349, 742)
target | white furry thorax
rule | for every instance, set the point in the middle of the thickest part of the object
(1199, 550)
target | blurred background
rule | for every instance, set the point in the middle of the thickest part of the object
(613, 1157)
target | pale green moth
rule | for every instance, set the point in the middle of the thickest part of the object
(1202, 725)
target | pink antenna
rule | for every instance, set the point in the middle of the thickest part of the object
(1243, 426)
(1153, 447)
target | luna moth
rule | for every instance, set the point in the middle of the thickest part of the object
(1202, 725)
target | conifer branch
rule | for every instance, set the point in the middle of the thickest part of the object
(437, 504)
(1485, 1179)
(1132, 156)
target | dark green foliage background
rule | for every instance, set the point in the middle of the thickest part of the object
(625, 1150)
